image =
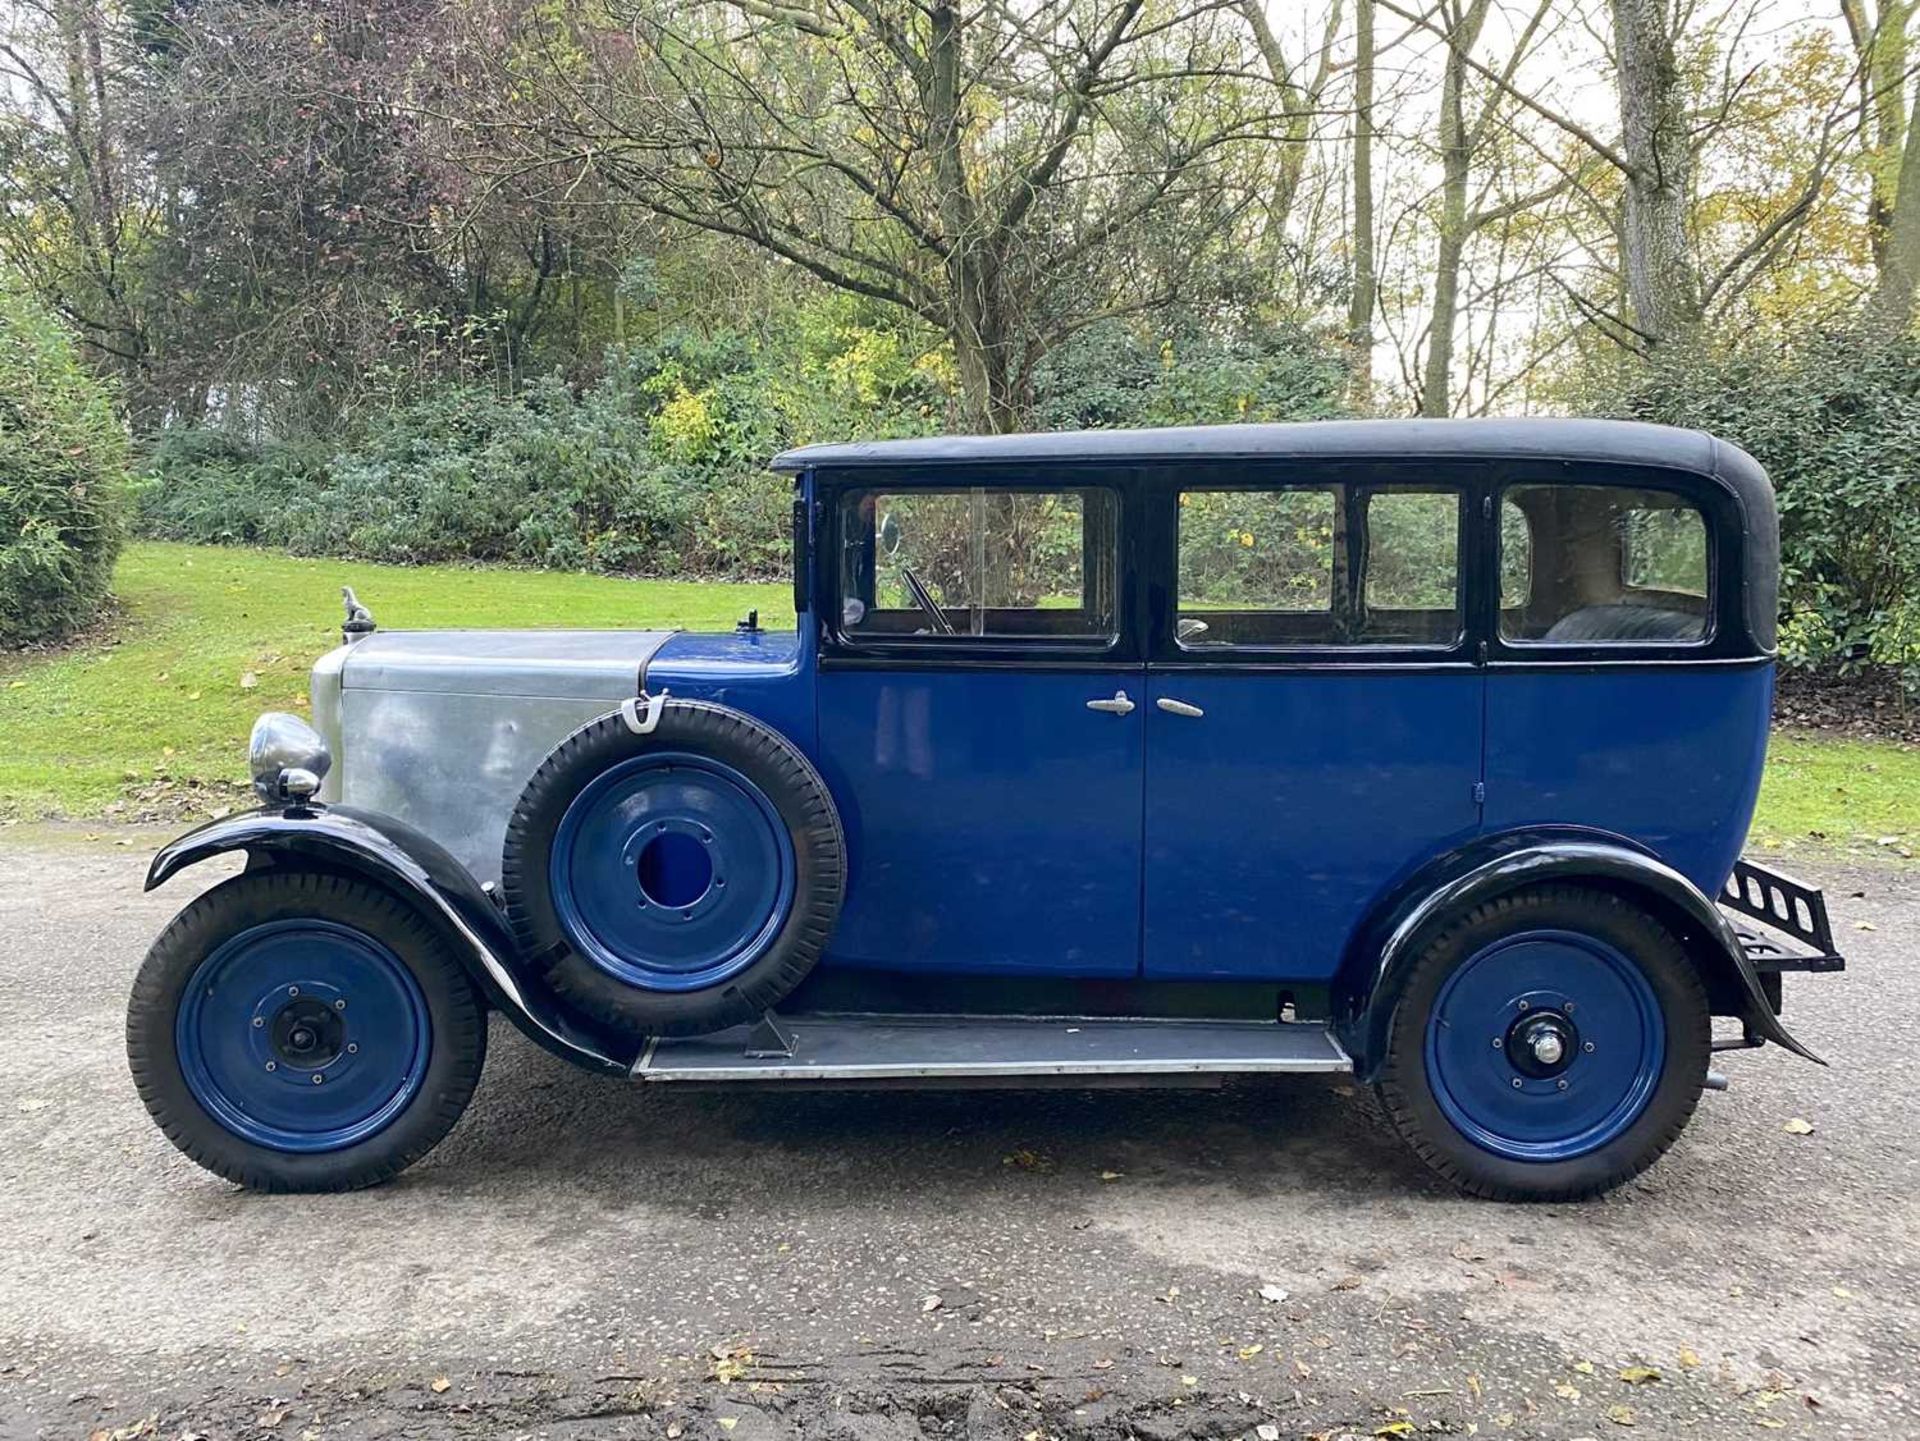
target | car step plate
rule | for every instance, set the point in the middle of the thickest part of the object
(959, 1048)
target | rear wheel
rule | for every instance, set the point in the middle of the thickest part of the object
(1548, 1046)
(302, 1031)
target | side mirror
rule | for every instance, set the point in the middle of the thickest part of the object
(888, 535)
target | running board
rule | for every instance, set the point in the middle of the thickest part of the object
(970, 1049)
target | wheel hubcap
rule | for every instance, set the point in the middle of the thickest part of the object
(303, 1035)
(671, 872)
(1545, 1046)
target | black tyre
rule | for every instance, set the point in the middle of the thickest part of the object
(1549, 1045)
(302, 1031)
(676, 882)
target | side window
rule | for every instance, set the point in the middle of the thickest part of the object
(979, 564)
(1413, 568)
(1603, 565)
(1280, 568)
(1260, 567)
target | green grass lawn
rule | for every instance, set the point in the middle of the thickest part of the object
(152, 721)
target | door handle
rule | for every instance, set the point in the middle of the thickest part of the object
(1119, 705)
(1178, 707)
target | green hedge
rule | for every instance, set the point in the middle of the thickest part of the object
(63, 457)
(1836, 421)
(660, 468)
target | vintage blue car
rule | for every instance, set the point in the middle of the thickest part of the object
(1420, 750)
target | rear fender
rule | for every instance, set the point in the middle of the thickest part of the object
(419, 870)
(1379, 959)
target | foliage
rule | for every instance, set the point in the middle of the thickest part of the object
(1836, 422)
(215, 636)
(659, 467)
(62, 475)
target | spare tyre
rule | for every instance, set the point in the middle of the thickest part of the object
(675, 881)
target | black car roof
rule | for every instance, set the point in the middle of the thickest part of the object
(1618, 441)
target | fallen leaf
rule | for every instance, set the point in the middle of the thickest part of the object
(1843, 1293)
(35, 1103)
(1689, 1358)
(931, 1303)
(248, 680)
(267, 1420)
(1111, 1175)
(1640, 1375)
(1770, 1423)
(1585, 1368)
(1395, 1428)
(1346, 1283)
(674, 1429)
(1622, 1416)
(1273, 1294)
(1247, 1353)
(1798, 1127)
(1566, 1391)
(727, 1423)
(1267, 1431)
(1865, 925)
(1189, 1380)
(440, 1384)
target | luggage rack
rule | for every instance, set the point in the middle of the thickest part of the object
(1798, 936)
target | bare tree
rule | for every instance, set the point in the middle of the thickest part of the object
(1362, 298)
(1007, 176)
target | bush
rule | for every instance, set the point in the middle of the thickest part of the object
(660, 467)
(62, 478)
(1836, 422)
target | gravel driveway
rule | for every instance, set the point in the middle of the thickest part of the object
(585, 1258)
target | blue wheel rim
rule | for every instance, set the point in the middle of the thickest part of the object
(250, 1002)
(671, 872)
(1484, 1074)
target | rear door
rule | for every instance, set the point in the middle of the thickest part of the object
(980, 697)
(1315, 710)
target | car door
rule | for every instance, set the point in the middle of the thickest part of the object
(980, 696)
(1314, 718)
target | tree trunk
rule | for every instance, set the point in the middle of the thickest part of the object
(1456, 164)
(1361, 301)
(1891, 305)
(1662, 276)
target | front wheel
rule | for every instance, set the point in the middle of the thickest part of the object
(1549, 1045)
(301, 1031)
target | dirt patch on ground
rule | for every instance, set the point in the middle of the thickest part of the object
(1869, 706)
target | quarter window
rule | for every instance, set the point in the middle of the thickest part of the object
(1592, 564)
(1324, 565)
(979, 564)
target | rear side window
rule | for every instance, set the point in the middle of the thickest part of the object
(979, 564)
(1602, 565)
(1319, 565)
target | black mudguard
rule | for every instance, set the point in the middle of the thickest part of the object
(1383, 952)
(418, 869)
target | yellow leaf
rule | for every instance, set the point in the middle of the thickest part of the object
(1111, 1175)
(1585, 1368)
(1395, 1428)
(1567, 1391)
(1640, 1375)
(1689, 1358)
(440, 1384)
(1247, 1353)
(1621, 1415)
(1798, 1127)
(727, 1423)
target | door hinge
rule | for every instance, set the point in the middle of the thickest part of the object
(1479, 793)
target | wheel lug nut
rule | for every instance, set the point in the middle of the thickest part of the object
(318, 1078)
(293, 990)
(1498, 1043)
(340, 1005)
(258, 1022)
(1588, 1046)
(1561, 1083)
(1516, 1083)
(273, 1065)
(1526, 1005)
(353, 1048)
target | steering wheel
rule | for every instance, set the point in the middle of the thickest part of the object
(941, 624)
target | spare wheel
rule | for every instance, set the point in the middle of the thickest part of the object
(677, 881)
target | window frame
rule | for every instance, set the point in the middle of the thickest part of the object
(1634, 648)
(839, 646)
(1358, 481)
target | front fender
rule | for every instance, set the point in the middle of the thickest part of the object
(1375, 970)
(417, 868)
